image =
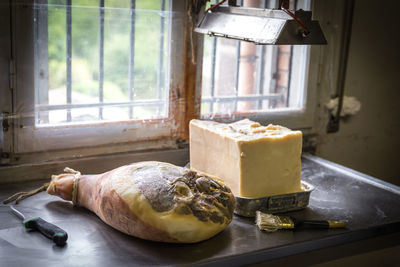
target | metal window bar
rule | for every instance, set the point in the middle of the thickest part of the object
(69, 57)
(260, 73)
(290, 65)
(169, 22)
(160, 70)
(41, 57)
(289, 76)
(241, 98)
(213, 61)
(212, 78)
(132, 55)
(236, 78)
(260, 68)
(148, 102)
(101, 56)
(237, 66)
(155, 102)
(274, 70)
(273, 3)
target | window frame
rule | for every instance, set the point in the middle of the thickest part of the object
(294, 118)
(6, 85)
(106, 134)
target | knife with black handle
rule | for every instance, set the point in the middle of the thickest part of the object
(55, 233)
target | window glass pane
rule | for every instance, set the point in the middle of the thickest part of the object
(101, 52)
(242, 77)
(57, 52)
(117, 25)
(85, 44)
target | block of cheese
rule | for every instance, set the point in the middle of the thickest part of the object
(253, 160)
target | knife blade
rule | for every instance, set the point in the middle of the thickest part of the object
(49, 230)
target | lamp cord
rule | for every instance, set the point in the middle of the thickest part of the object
(287, 11)
(216, 5)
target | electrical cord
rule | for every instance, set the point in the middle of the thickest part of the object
(298, 20)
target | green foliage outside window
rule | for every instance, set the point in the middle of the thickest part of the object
(85, 48)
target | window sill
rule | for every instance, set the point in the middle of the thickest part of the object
(90, 165)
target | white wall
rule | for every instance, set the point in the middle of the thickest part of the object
(369, 141)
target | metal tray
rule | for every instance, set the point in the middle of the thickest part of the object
(274, 204)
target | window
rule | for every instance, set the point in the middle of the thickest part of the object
(98, 73)
(103, 61)
(101, 77)
(241, 79)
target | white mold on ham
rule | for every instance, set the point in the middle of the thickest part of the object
(153, 200)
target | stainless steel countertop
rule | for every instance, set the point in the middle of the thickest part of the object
(370, 206)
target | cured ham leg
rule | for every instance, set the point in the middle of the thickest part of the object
(152, 200)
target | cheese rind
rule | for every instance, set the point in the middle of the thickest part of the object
(253, 160)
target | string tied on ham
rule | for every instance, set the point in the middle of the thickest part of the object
(77, 176)
(22, 195)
